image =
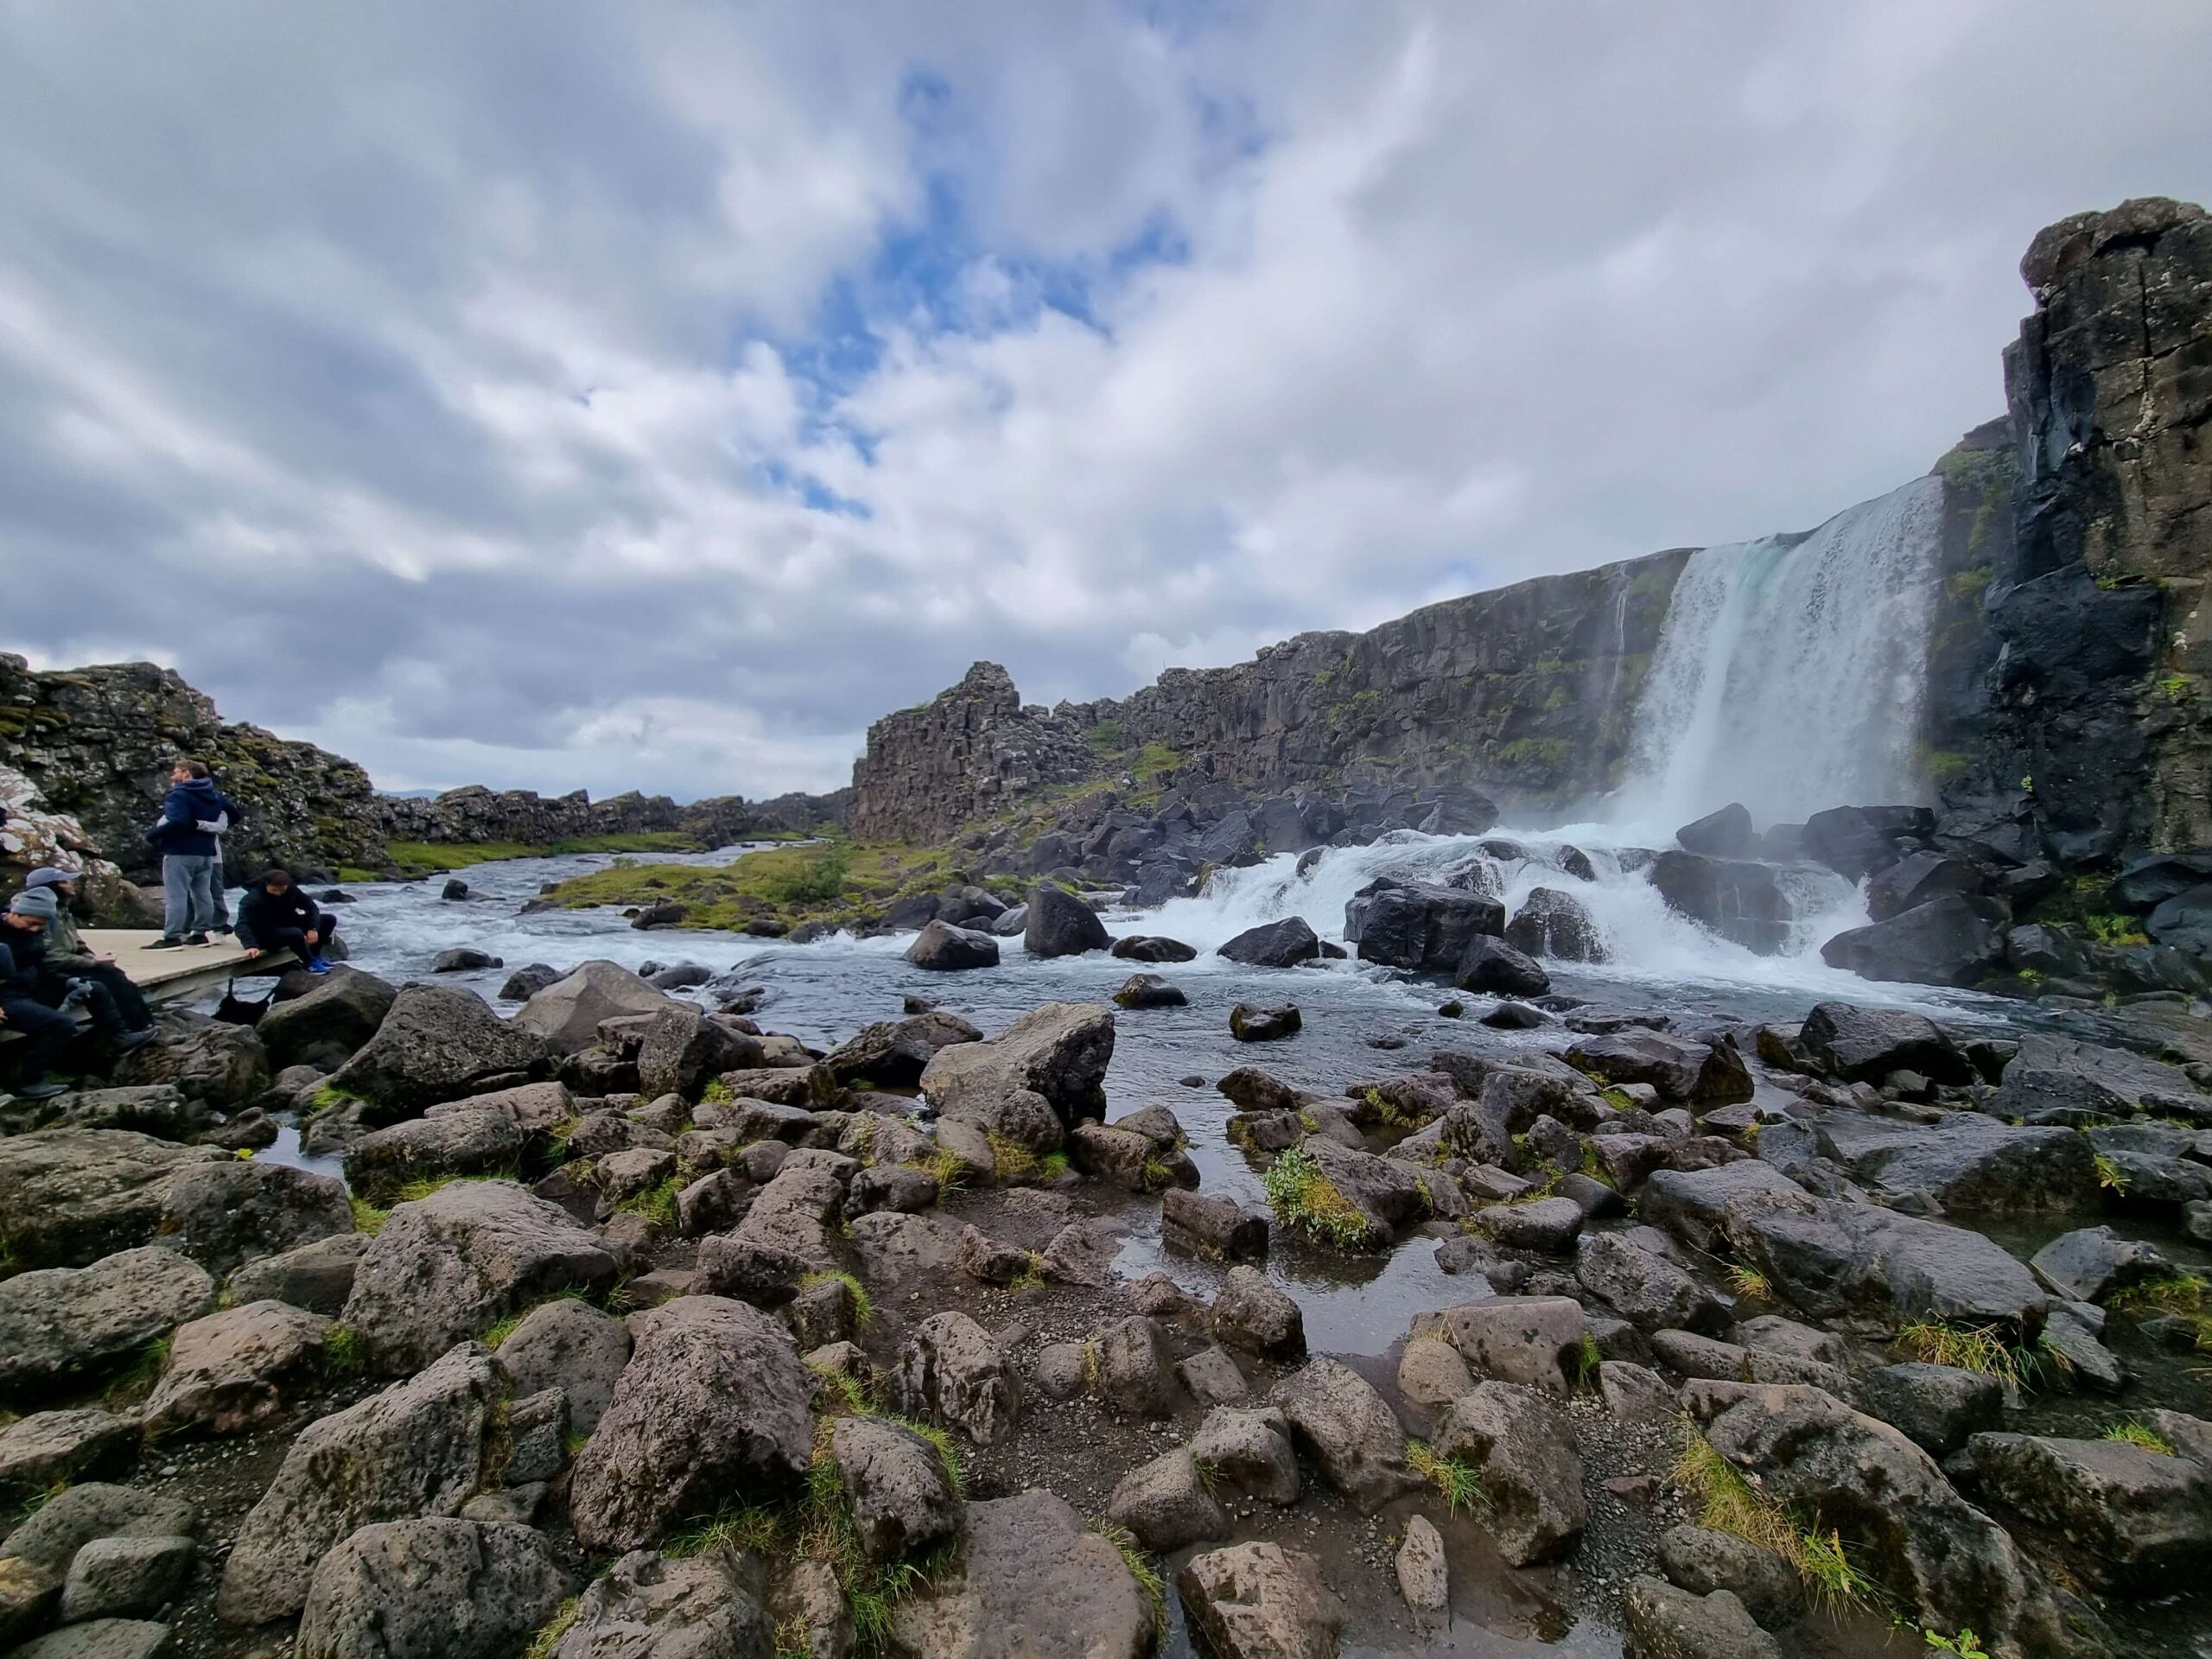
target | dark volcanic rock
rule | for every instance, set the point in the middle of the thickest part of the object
(1492, 965)
(1725, 834)
(1556, 925)
(436, 1044)
(1273, 944)
(1738, 899)
(1424, 929)
(1248, 1024)
(1057, 924)
(1866, 1044)
(1953, 940)
(944, 948)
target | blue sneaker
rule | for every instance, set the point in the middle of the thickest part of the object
(317, 965)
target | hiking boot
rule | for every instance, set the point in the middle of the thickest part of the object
(317, 965)
(44, 1089)
(198, 938)
(167, 942)
(134, 1039)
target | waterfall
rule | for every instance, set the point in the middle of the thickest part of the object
(1790, 672)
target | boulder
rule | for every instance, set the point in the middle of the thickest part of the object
(61, 1328)
(1057, 1051)
(1863, 1044)
(570, 1345)
(458, 1260)
(1057, 924)
(1250, 1453)
(2133, 1519)
(2089, 1264)
(1166, 1505)
(1260, 1601)
(716, 1405)
(1968, 1162)
(1250, 1024)
(893, 1054)
(1857, 840)
(951, 1372)
(1725, 834)
(680, 1049)
(1521, 1444)
(567, 1013)
(1938, 1408)
(1134, 1369)
(225, 1065)
(1142, 947)
(1423, 928)
(901, 1494)
(943, 948)
(437, 1043)
(1338, 1419)
(1555, 925)
(1917, 879)
(528, 981)
(318, 1276)
(232, 1370)
(1547, 1224)
(1149, 991)
(1700, 1560)
(1424, 1577)
(1644, 1287)
(473, 1140)
(653, 1607)
(1739, 900)
(1681, 1069)
(51, 1448)
(1198, 1222)
(1693, 1203)
(124, 1578)
(1030, 1582)
(1252, 1311)
(415, 1449)
(431, 1589)
(1533, 1341)
(1492, 965)
(1953, 1566)
(463, 959)
(1953, 940)
(2184, 921)
(327, 1025)
(101, 1638)
(1283, 944)
(1665, 1623)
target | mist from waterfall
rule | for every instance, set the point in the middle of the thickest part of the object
(1790, 672)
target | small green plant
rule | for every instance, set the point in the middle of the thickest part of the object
(2176, 1294)
(1457, 1482)
(1303, 1196)
(1968, 1348)
(655, 1204)
(1966, 1644)
(549, 1634)
(2110, 1176)
(137, 1380)
(344, 1354)
(1032, 1276)
(748, 1528)
(1728, 1502)
(1158, 1175)
(847, 1396)
(2131, 1432)
(1052, 1169)
(1090, 1365)
(717, 1093)
(367, 1219)
(1149, 1584)
(1830, 1578)
(1014, 1163)
(1751, 1284)
(1588, 1360)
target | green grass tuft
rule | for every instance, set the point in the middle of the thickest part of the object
(863, 1309)
(1751, 1284)
(368, 1218)
(655, 1204)
(1588, 1358)
(1305, 1198)
(2110, 1176)
(1728, 1502)
(344, 1354)
(2131, 1432)
(137, 1380)
(549, 1634)
(1969, 1348)
(1457, 1482)
(2178, 1293)
(1149, 1583)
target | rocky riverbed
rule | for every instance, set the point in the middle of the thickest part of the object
(762, 1309)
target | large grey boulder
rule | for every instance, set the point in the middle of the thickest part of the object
(63, 1328)
(942, 947)
(1420, 927)
(1338, 1419)
(237, 1369)
(1968, 1163)
(651, 1607)
(1251, 1311)
(1273, 944)
(680, 1049)
(1863, 1044)
(1167, 1503)
(569, 1345)
(472, 1139)
(567, 1013)
(327, 1025)
(2133, 1519)
(1249, 1451)
(1535, 1341)
(1950, 940)
(223, 1065)
(1260, 1601)
(126, 1578)
(1059, 1051)
(1953, 1566)
(51, 1448)
(437, 1043)
(1667, 1623)
(1938, 1408)
(1031, 1582)
(415, 1449)
(1700, 1560)
(715, 1407)
(431, 1589)
(2090, 1264)
(1694, 1072)
(1059, 923)
(317, 1276)
(101, 1638)
(951, 1372)
(893, 1054)
(1521, 1443)
(1643, 1287)
(900, 1491)
(449, 1266)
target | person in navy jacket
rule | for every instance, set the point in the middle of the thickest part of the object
(187, 835)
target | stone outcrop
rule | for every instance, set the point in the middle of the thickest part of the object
(475, 814)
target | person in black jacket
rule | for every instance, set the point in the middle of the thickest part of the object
(187, 834)
(277, 916)
(45, 1031)
(56, 978)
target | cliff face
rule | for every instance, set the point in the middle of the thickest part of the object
(97, 744)
(476, 815)
(2099, 697)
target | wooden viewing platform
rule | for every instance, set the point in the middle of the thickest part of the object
(189, 970)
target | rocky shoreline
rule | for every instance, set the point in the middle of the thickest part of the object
(638, 1327)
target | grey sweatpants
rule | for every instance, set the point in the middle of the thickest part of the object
(188, 893)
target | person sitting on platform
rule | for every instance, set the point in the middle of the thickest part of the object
(24, 927)
(277, 916)
(70, 957)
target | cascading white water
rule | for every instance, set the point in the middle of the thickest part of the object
(1788, 675)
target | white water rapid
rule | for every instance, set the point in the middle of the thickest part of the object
(1788, 675)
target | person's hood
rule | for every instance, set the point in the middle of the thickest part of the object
(203, 787)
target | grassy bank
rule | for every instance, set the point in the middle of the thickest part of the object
(839, 882)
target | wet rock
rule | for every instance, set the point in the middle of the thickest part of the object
(1421, 928)
(1260, 1601)
(649, 1606)
(1681, 1069)
(64, 1447)
(1555, 925)
(1154, 948)
(951, 1372)
(1273, 944)
(1644, 1287)
(1951, 940)
(1709, 1357)
(327, 1025)
(1253, 1312)
(1030, 1582)
(1166, 1504)
(1968, 1162)
(431, 1589)
(2131, 1518)
(415, 1449)
(902, 1498)
(457, 1262)
(1547, 1224)
(1349, 1431)
(1939, 1408)
(463, 959)
(716, 1404)
(1955, 1567)
(1666, 1623)
(2069, 1338)
(1491, 965)
(1521, 1443)
(1535, 1341)
(1516, 1016)
(1196, 1222)
(1692, 1204)
(1725, 834)
(126, 1577)
(1251, 1452)
(1059, 923)
(2090, 1264)
(527, 980)
(473, 1140)
(1700, 1560)
(943, 948)
(1739, 899)
(61, 1327)
(235, 1369)
(1059, 1051)
(1149, 991)
(1251, 1024)
(1424, 1579)
(1862, 1045)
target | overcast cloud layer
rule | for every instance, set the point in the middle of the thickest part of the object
(571, 394)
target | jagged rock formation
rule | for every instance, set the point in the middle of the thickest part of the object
(97, 744)
(2100, 699)
(476, 815)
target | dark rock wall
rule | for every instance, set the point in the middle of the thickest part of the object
(476, 815)
(2099, 695)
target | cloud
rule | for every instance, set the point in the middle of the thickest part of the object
(652, 397)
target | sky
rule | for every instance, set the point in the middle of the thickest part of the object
(556, 395)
